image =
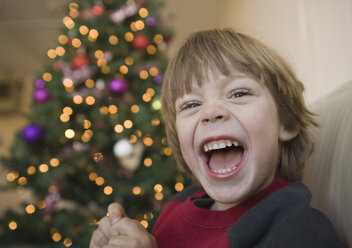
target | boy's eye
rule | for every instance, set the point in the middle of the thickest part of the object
(189, 105)
(239, 93)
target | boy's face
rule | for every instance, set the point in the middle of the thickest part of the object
(229, 133)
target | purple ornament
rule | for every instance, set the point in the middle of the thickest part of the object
(150, 21)
(41, 95)
(118, 86)
(39, 83)
(158, 79)
(32, 133)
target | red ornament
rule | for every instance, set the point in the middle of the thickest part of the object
(79, 61)
(98, 10)
(141, 42)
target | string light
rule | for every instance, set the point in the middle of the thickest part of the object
(143, 74)
(143, 12)
(151, 49)
(167, 151)
(67, 82)
(146, 97)
(156, 105)
(128, 124)
(134, 109)
(158, 38)
(63, 39)
(43, 168)
(133, 139)
(148, 162)
(90, 100)
(153, 71)
(56, 237)
(108, 190)
(60, 51)
(139, 25)
(89, 83)
(51, 53)
(67, 111)
(69, 133)
(68, 22)
(104, 110)
(158, 188)
(54, 162)
(105, 69)
(86, 124)
(67, 242)
(129, 37)
(31, 170)
(12, 225)
(148, 141)
(47, 77)
(77, 99)
(123, 69)
(98, 157)
(136, 190)
(179, 187)
(99, 54)
(113, 39)
(30, 209)
(83, 29)
(118, 128)
(41, 204)
(22, 181)
(12, 176)
(92, 176)
(99, 181)
(144, 223)
(93, 35)
(129, 61)
(155, 122)
(159, 196)
(76, 42)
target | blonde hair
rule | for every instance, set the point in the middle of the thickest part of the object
(222, 50)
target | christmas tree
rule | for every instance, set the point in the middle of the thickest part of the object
(94, 134)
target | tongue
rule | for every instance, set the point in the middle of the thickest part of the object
(223, 159)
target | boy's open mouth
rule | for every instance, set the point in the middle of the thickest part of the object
(223, 156)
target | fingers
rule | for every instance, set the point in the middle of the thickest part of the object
(98, 239)
(127, 226)
(104, 226)
(116, 212)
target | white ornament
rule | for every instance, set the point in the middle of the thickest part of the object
(122, 148)
(100, 84)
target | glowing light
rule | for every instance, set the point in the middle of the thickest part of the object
(143, 74)
(76, 42)
(158, 38)
(108, 190)
(143, 12)
(67, 82)
(98, 157)
(134, 108)
(102, 62)
(123, 69)
(73, 13)
(156, 105)
(113, 40)
(136, 190)
(167, 151)
(133, 139)
(22, 181)
(77, 99)
(133, 26)
(139, 25)
(105, 69)
(67, 242)
(151, 49)
(11, 176)
(129, 61)
(129, 36)
(150, 91)
(104, 110)
(43, 168)
(112, 109)
(148, 141)
(47, 77)
(148, 162)
(41, 204)
(128, 124)
(69, 133)
(158, 188)
(159, 196)
(146, 97)
(92, 176)
(67, 111)
(99, 181)
(60, 51)
(89, 83)
(139, 133)
(90, 100)
(30, 209)
(144, 223)
(54, 162)
(118, 128)
(56, 237)
(179, 187)
(99, 54)
(68, 22)
(12, 225)
(93, 34)
(31, 170)
(62, 39)
(83, 29)
(153, 71)
(155, 122)
(73, 6)
(51, 53)
(87, 124)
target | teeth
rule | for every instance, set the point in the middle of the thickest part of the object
(222, 171)
(220, 145)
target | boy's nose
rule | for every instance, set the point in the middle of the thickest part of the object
(214, 113)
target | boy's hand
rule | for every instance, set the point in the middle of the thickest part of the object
(102, 234)
(118, 231)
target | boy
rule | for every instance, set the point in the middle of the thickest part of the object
(235, 118)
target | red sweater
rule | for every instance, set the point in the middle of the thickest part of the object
(183, 224)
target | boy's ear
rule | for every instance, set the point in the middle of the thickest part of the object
(286, 135)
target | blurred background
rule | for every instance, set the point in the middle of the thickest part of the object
(315, 36)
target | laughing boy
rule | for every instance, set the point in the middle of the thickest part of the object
(236, 120)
